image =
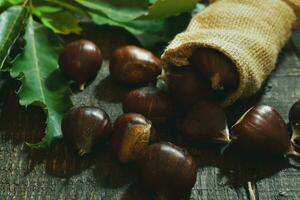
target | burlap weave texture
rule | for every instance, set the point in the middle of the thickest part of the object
(295, 4)
(250, 32)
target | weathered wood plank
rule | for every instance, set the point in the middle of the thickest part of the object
(60, 174)
(285, 83)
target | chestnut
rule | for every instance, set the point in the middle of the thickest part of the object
(131, 135)
(80, 61)
(134, 65)
(187, 88)
(217, 67)
(205, 122)
(261, 130)
(168, 171)
(85, 127)
(294, 118)
(149, 101)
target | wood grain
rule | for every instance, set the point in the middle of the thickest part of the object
(58, 173)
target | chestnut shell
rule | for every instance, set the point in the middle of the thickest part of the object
(187, 87)
(206, 121)
(215, 66)
(86, 127)
(294, 115)
(149, 101)
(168, 170)
(134, 65)
(261, 130)
(80, 61)
(131, 135)
(294, 118)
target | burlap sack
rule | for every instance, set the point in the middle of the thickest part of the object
(250, 32)
(295, 4)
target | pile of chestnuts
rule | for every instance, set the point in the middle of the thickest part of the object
(167, 170)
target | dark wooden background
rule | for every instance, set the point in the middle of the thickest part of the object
(59, 174)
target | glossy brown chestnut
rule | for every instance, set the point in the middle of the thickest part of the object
(85, 127)
(215, 66)
(261, 130)
(132, 134)
(134, 65)
(294, 118)
(80, 61)
(150, 102)
(187, 88)
(168, 171)
(206, 121)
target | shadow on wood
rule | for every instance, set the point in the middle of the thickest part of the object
(18, 126)
(110, 173)
(62, 161)
(109, 90)
(136, 191)
(236, 168)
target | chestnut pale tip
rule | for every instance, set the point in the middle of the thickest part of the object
(216, 82)
(136, 138)
(296, 139)
(225, 136)
(294, 118)
(132, 134)
(81, 87)
(206, 121)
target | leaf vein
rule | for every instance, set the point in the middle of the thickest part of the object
(36, 62)
(10, 31)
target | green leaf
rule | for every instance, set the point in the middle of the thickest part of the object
(42, 84)
(166, 8)
(136, 27)
(39, 10)
(71, 6)
(147, 31)
(170, 27)
(4, 4)
(62, 22)
(118, 10)
(56, 17)
(12, 23)
(15, 2)
(152, 1)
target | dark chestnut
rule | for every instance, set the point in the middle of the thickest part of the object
(149, 101)
(132, 134)
(134, 65)
(168, 171)
(217, 67)
(187, 88)
(85, 127)
(261, 130)
(206, 121)
(80, 61)
(294, 118)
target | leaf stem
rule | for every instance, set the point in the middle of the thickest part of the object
(25, 3)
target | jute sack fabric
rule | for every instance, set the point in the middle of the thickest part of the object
(295, 4)
(249, 32)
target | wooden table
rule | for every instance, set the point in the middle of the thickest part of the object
(59, 174)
